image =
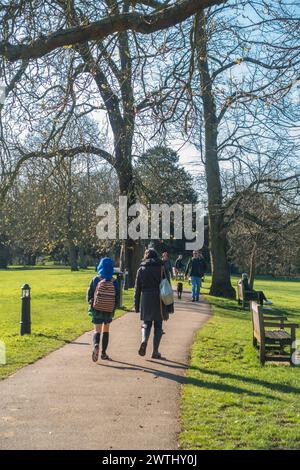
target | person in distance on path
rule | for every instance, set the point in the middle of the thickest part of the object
(196, 269)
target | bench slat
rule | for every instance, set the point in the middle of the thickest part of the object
(277, 334)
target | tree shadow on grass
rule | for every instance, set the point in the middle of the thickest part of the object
(276, 387)
(289, 313)
(57, 337)
(51, 336)
(236, 311)
(245, 314)
(221, 387)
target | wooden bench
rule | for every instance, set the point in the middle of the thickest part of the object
(274, 340)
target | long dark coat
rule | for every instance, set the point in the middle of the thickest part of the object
(147, 295)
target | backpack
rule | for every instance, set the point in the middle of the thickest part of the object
(105, 296)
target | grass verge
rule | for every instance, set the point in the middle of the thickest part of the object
(229, 401)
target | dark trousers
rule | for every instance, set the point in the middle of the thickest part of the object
(158, 331)
(256, 295)
(157, 327)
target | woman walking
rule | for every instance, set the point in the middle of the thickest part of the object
(102, 297)
(147, 300)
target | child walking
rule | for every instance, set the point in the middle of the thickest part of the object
(102, 297)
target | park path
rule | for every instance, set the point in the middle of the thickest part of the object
(65, 401)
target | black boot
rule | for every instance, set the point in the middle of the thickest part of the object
(146, 329)
(105, 339)
(156, 342)
(96, 341)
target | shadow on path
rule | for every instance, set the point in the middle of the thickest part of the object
(221, 387)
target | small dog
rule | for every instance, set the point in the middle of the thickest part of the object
(179, 289)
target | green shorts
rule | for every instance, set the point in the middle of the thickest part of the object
(100, 317)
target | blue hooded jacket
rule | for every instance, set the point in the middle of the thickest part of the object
(105, 268)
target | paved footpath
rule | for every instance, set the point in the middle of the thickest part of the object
(65, 401)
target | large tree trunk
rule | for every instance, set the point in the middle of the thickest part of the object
(252, 266)
(130, 258)
(82, 258)
(221, 283)
(30, 259)
(4, 253)
(122, 123)
(131, 250)
(72, 255)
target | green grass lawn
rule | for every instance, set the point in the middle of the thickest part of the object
(58, 312)
(229, 400)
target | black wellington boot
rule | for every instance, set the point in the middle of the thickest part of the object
(156, 343)
(105, 340)
(146, 330)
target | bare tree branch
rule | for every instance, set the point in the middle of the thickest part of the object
(98, 30)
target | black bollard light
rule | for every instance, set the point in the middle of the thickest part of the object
(25, 323)
(120, 279)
